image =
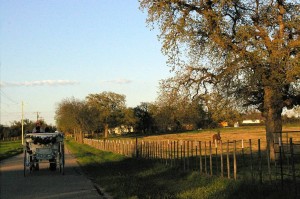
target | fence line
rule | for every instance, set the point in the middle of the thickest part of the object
(11, 138)
(242, 159)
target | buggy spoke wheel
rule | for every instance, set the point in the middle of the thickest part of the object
(25, 163)
(61, 158)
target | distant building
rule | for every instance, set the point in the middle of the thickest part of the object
(188, 127)
(121, 130)
(236, 124)
(251, 122)
(224, 124)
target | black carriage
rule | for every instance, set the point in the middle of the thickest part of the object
(44, 148)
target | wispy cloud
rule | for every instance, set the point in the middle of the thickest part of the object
(38, 83)
(118, 81)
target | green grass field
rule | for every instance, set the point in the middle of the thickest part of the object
(124, 177)
(10, 148)
(139, 178)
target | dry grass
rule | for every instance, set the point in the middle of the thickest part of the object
(241, 133)
(229, 134)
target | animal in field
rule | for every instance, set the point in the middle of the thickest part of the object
(216, 137)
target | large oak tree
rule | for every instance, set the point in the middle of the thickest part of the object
(75, 115)
(111, 107)
(249, 49)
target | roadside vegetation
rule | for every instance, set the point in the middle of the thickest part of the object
(124, 177)
(10, 148)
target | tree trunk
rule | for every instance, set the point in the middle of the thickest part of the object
(273, 121)
(81, 137)
(106, 130)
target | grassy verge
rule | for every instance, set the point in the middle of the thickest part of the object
(137, 178)
(10, 148)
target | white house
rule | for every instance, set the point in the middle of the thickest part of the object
(251, 122)
(121, 130)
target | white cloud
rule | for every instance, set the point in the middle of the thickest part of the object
(118, 81)
(38, 83)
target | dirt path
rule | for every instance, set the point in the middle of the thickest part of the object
(46, 184)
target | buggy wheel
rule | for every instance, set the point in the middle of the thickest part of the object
(27, 162)
(30, 163)
(25, 158)
(37, 166)
(61, 159)
(53, 163)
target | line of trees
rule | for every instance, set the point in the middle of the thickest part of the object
(102, 112)
(15, 129)
(107, 110)
(244, 49)
(171, 112)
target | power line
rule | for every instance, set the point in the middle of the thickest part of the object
(7, 97)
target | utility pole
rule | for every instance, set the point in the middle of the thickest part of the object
(37, 115)
(22, 122)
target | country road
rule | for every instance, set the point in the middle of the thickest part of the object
(45, 184)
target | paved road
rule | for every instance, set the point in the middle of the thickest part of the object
(45, 184)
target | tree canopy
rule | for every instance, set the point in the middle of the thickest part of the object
(111, 107)
(249, 49)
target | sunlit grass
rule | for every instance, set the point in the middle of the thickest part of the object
(139, 178)
(87, 155)
(10, 148)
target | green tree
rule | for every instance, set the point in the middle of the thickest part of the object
(223, 109)
(144, 118)
(165, 119)
(129, 120)
(110, 106)
(176, 111)
(73, 115)
(16, 127)
(87, 118)
(297, 111)
(249, 49)
(66, 114)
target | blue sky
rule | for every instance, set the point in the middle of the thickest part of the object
(53, 50)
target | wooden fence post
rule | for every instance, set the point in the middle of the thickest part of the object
(293, 165)
(243, 154)
(221, 157)
(205, 158)
(280, 159)
(177, 160)
(161, 151)
(216, 157)
(166, 153)
(196, 159)
(156, 150)
(200, 153)
(228, 162)
(234, 161)
(192, 155)
(210, 159)
(188, 155)
(184, 156)
(269, 161)
(171, 153)
(136, 148)
(181, 153)
(259, 162)
(251, 160)
(174, 154)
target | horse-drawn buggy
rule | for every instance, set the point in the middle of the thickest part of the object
(44, 148)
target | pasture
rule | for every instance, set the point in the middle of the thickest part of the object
(240, 133)
(10, 148)
(242, 156)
